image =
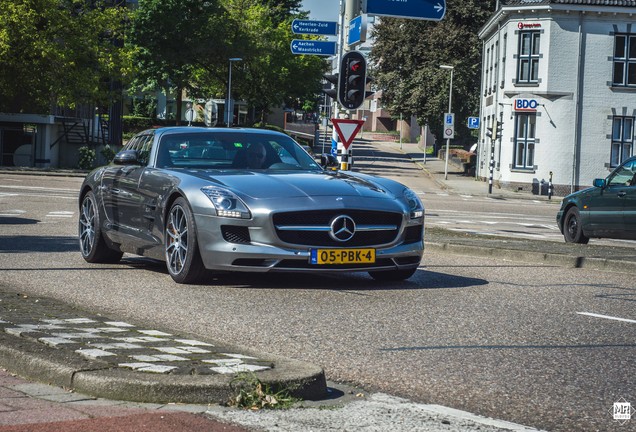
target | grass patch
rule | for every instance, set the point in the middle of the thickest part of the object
(255, 395)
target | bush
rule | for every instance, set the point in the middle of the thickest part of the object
(86, 158)
(108, 153)
(136, 124)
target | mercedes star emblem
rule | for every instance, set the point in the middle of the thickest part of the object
(342, 228)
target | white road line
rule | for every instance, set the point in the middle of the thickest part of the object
(61, 214)
(607, 317)
(38, 188)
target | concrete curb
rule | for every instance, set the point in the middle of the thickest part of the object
(560, 260)
(37, 362)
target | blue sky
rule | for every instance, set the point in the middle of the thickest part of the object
(322, 10)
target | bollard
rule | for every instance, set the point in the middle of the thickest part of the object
(550, 187)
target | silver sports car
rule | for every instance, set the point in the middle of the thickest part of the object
(247, 200)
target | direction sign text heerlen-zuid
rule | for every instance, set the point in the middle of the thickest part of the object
(314, 27)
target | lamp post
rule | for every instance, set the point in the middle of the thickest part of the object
(450, 99)
(229, 108)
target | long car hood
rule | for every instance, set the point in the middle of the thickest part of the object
(292, 184)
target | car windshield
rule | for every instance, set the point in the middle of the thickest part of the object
(232, 150)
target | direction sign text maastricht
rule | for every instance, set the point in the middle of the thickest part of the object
(326, 48)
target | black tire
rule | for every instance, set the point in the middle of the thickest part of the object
(572, 228)
(392, 275)
(183, 258)
(93, 247)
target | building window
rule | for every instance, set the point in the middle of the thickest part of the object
(525, 127)
(624, 60)
(528, 59)
(622, 139)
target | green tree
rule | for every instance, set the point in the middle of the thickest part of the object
(271, 74)
(407, 55)
(175, 40)
(60, 53)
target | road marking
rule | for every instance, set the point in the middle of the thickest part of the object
(9, 213)
(607, 317)
(38, 188)
(61, 214)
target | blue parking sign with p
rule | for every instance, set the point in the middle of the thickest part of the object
(473, 122)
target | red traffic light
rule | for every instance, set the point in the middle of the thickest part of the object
(352, 80)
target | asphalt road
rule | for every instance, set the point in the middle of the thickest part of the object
(527, 343)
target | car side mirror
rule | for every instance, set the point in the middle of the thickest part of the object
(127, 157)
(599, 183)
(328, 161)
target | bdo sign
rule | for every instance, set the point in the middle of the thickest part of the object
(526, 104)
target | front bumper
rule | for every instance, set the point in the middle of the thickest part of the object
(264, 253)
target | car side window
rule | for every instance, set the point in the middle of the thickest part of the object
(132, 144)
(144, 146)
(624, 175)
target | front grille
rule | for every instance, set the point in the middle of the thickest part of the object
(235, 234)
(319, 222)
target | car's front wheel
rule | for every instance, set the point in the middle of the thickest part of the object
(183, 258)
(92, 244)
(392, 275)
(572, 227)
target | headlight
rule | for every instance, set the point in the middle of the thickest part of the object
(226, 203)
(415, 205)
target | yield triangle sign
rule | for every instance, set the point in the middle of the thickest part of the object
(347, 130)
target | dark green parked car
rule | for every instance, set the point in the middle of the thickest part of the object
(607, 210)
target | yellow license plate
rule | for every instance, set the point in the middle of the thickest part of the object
(342, 256)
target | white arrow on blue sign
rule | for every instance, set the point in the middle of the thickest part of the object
(314, 27)
(326, 48)
(432, 10)
(357, 30)
(473, 122)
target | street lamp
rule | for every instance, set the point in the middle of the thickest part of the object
(450, 99)
(229, 108)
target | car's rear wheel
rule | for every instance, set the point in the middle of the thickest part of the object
(572, 228)
(183, 258)
(92, 244)
(392, 275)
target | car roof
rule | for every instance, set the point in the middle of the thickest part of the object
(197, 129)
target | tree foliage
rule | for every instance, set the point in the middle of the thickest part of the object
(407, 55)
(59, 53)
(188, 44)
(68, 52)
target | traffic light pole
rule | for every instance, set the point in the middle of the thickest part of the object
(493, 139)
(496, 131)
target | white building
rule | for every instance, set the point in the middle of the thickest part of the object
(561, 76)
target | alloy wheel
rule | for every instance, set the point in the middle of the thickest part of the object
(177, 240)
(87, 226)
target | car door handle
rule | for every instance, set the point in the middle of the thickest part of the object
(115, 191)
(621, 194)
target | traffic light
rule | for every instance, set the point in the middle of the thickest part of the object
(498, 129)
(493, 131)
(352, 84)
(331, 92)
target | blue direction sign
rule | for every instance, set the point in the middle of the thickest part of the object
(473, 122)
(432, 10)
(357, 30)
(326, 48)
(314, 27)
